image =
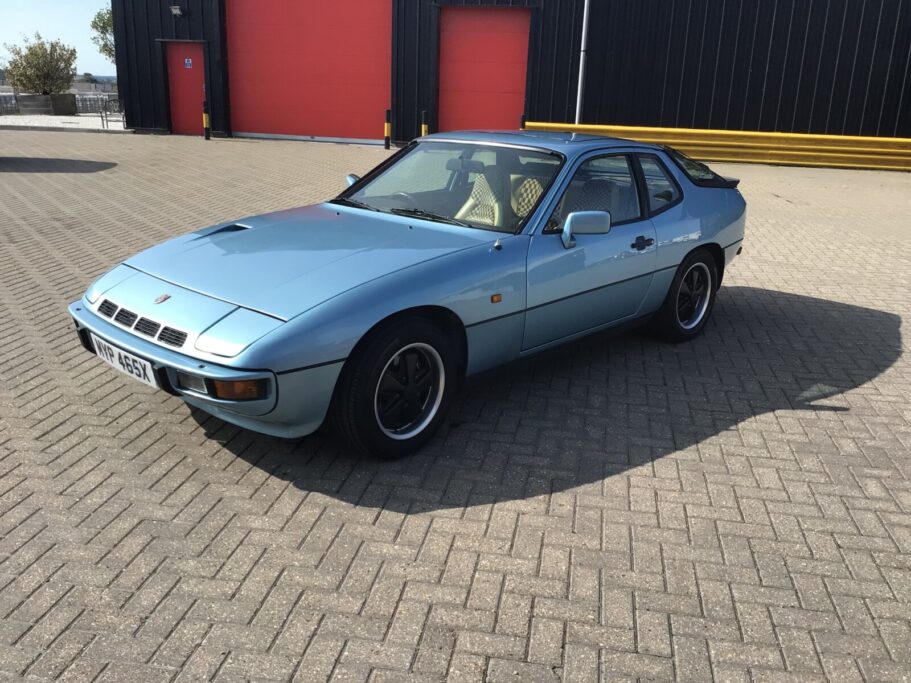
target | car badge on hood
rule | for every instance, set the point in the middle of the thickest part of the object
(162, 298)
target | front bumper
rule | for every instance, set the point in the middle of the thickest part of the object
(295, 403)
(168, 363)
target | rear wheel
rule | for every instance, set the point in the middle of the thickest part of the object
(397, 389)
(690, 299)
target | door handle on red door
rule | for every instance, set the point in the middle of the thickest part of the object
(642, 242)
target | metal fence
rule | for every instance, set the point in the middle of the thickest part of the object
(95, 103)
(8, 104)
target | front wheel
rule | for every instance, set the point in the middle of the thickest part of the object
(690, 299)
(394, 395)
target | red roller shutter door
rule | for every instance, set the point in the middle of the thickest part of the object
(308, 67)
(483, 62)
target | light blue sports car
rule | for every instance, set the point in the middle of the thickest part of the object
(461, 252)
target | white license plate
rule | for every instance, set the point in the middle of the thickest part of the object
(127, 363)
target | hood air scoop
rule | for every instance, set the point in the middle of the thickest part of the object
(234, 227)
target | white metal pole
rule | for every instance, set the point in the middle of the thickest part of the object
(582, 51)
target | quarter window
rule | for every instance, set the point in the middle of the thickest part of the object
(661, 189)
(698, 172)
(601, 184)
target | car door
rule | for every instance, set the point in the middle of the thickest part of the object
(603, 278)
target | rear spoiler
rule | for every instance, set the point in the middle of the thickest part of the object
(716, 181)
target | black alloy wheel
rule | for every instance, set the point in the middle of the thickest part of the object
(395, 389)
(689, 299)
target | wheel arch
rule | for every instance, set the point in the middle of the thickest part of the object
(717, 254)
(441, 316)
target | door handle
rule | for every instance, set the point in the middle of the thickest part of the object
(642, 242)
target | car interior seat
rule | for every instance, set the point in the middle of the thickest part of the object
(487, 202)
(603, 194)
(526, 191)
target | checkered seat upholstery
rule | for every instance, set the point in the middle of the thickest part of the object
(601, 194)
(525, 195)
(487, 202)
(595, 195)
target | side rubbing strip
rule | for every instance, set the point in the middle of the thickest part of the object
(564, 298)
(311, 367)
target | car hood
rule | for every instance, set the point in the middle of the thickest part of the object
(284, 263)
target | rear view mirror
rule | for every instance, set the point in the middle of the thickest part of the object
(584, 223)
(464, 166)
(351, 179)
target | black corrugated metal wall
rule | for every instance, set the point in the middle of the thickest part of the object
(809, 66)
(140, 26)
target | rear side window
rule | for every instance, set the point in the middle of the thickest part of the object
(662, 191)
(698, 172)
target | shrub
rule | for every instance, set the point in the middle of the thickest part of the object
(41, 67)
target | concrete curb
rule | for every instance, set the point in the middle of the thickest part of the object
(61, 129)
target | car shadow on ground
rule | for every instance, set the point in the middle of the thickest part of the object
(575, 415)
(51, 165)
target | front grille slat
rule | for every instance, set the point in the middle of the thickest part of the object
(172, 337)
(147, 327)
(107, 308)
(144, 326)
(125, 317)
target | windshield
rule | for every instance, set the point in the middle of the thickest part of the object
(471, 184)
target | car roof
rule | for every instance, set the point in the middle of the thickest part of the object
(565, 143)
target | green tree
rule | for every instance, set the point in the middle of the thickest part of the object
(103, 27)
(41, 67)
(89, 78)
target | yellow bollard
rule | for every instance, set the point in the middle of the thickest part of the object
(387, 130)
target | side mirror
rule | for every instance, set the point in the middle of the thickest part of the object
(584, 223)
(351, 179)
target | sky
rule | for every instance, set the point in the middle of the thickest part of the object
(67, 20)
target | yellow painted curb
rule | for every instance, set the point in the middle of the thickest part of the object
(790, 149)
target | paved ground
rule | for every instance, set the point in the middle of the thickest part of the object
(738, 508)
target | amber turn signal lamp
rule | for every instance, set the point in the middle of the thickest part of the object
(496, 298)
(239, 390)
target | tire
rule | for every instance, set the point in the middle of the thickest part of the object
(384, 404)
(682, 317)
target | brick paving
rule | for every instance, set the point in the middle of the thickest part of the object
(736, 509)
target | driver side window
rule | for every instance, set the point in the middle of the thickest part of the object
(601, 184)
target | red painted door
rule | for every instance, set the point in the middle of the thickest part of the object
(483, 60)
(187, 87)
(309, 68)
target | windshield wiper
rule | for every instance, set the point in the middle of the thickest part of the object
(347, 201)
(431, 216)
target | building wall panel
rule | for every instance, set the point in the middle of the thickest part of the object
(835, 67)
